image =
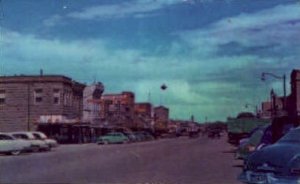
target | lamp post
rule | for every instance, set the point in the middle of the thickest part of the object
(273, 101)
(283, 77)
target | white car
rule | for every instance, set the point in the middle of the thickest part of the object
(41, 136)
(10, 145)
(36, 145)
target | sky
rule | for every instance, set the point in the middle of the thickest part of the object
(209, 53)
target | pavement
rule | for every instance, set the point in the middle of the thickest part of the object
(177, 160)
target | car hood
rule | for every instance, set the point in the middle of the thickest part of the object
(277, 155)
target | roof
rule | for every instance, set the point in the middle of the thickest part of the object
(37, 79)
(295, 75)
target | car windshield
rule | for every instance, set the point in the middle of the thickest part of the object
(39, 136)
(292, 136)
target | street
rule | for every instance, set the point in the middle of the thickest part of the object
(178, 160)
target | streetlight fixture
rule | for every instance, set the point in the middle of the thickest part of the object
(283, 77)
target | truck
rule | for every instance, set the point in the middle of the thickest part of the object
(241, 126)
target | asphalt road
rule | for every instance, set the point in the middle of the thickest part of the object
(178, 160)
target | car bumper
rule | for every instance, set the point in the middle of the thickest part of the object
(250, 177)
(241, 155)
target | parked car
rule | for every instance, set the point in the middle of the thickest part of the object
(260, 137)
(41, 136)
(131, 136)
(113, 137)
(36, 145)
(276, 163)
(10, 145)
(148, 136)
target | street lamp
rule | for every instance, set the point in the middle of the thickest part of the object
(283, 77)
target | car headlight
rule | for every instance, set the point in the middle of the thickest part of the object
(250, 148)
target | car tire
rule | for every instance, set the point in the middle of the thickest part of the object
(105, 142)
(15, 152)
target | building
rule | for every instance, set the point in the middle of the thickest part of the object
(143, 115)
(161, 117)
(266, 109)
(118, 109)
(92, 103)
(26, 101)
(294, 104)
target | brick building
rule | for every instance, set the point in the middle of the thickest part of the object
(161, 116)
(143, 115)
(294, 104)
(266, 108)
(26, 101)
(118, 109)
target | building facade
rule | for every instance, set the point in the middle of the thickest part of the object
(161, 117)
(143, 115)
(26, 101)
(118, 109)
(92, 103)
(294, 103)
(266, 109)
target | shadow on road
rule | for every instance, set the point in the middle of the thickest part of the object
(238, 165)
(229, 151)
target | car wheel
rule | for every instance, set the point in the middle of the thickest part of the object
(105, 142)
(15, 152)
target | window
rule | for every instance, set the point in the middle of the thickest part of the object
(2, 97)
(56, 96)
(20, 136)
(5, 137)
(38, 96)
(67, 98)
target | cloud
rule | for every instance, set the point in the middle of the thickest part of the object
(269, 27)
(134, 8)
(52, 21)
(137, 9)
(118, 69)
(212, 71)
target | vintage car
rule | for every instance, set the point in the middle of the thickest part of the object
(11, 145)
(276, 163)
(41, 136)
(261, 136)
(36, 145)
(113, 137)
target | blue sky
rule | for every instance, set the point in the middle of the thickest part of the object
(210, 53)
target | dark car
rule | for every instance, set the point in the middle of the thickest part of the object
(260, 137)
(277, 163)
